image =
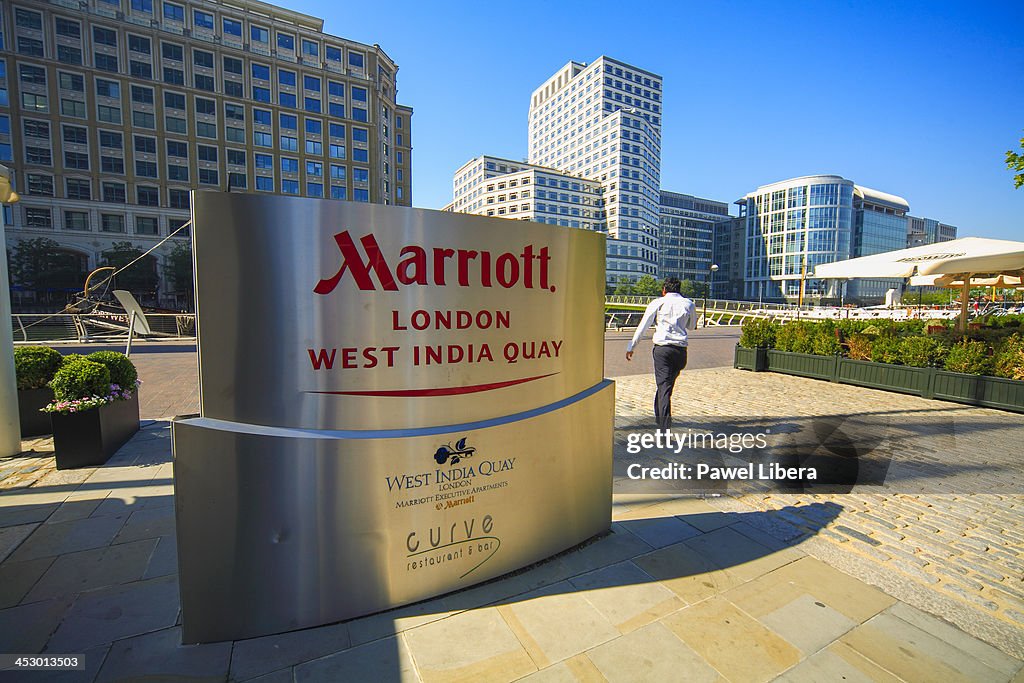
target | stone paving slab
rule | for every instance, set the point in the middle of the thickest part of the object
(739, 588)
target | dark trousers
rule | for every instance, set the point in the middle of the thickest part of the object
(669, 361)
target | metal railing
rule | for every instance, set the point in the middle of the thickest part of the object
(36, 328)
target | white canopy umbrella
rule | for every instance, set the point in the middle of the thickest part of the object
(962, 258)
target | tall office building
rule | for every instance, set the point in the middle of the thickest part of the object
(687, 234)
(922, 231)
(491, 186)
(795, 225)
(112, 110)
(729, 245)
(602, 121)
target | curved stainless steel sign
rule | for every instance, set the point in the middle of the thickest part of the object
(396, 403)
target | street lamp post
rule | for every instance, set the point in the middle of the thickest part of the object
(10, 426)
(707, 291)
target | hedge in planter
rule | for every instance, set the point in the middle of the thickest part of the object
(92, 416)
(756, 337)
(34, 367)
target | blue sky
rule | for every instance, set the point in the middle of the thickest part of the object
(921, 100)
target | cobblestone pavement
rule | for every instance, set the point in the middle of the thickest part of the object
(955, 554)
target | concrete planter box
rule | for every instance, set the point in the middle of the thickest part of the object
(33, 422)
(751, 359)
(802, 364)
(89, 438)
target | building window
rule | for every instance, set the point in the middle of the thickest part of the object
(361, 155)
(145, 169)
(113, 192)
(258, 34)
(314, 168)
(72, 108)
(339, 192)
(205, 106)
(312, 104)
(174, 12)
(38, 218)
(143, 6)
(30, 47)
(264, 184)
(234, 134)
(206, 130)
(178, 199)
(173, 52)
(232, 65)
(33, 102)
(361, 195)
(261, 94)
(310, 49)
(333, 53)
(202, 19)
(113, 165)
(315, 189)
(105, 62)
(202, 82)
(360, 135)
(68, 28)
(174, 124)
(69, 55)
(78, 189)
(177, 149)
(139, 44)
(146, 225)
(289, 165)
(76, 160)
(336, 109)
(289, 186)
(207, 153)
(337, 130)
(147, 196)
(106, 88)
(286, 42)
(202, 58)
(142, 95)
(233, 89)
(288, 121)
(287, 99)
(33, 129)
(286, 77)
(32, 75)
(108, 114)
(76, 220)
(337, 151)
(232, 27)
(355, 60)
(145, 145)
(337, 172)
(361, 175)
(312, 83)
(142, 119)
(177, 173)
(289, 144)
(237, 181)
(261, 72)
(174, 76)
(209, 176)
(262, 139)
(314, 147)
(40, 185)
(110, 222)
(264, 161)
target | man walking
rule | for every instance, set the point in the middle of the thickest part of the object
(675, 314)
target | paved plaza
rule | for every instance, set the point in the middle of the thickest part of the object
(919, 581)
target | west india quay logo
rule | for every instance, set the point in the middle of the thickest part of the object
(454, 454)
(438, 266)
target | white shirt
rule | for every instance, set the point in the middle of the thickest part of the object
(675, 313)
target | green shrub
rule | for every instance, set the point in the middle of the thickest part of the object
(858, 347)
(920, 352)
(1009, 358)
(796, 336)
(122, 370)
(825, 341)
(758, 333)
(34, 366)
(886, 349)
(80, 378)
(969, 357)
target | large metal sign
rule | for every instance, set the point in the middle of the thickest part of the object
(396, 403)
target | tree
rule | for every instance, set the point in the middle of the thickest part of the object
(691, 289)
(40, 265)
(625, 287)
(647, 286)
(1015, 162)
(140, 277)
(178, 269)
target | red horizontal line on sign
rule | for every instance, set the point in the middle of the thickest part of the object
(439, 391)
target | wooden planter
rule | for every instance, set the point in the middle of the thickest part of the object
(89, 438)
(901, 378)
(975, 390)
(751, 359)
(33, 422)
(802, 364)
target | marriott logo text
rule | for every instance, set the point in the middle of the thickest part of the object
(438, 266)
